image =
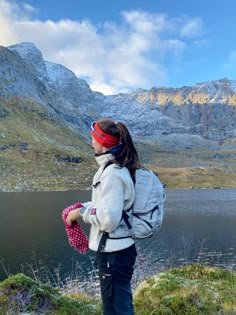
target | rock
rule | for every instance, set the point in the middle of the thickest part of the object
(19, 79)
(69, 159)
(23, 146)
(4, 147)
(3, 113)
(218, 156)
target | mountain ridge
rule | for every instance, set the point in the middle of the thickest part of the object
(206, 109)
(188, 129)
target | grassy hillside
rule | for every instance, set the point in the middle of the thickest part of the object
(30, 142)
(199, 167)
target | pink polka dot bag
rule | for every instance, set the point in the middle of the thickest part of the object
(77, 237)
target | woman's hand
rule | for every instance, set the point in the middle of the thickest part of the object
(73, 216)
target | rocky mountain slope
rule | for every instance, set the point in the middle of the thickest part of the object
(190, 130)
(206, 109)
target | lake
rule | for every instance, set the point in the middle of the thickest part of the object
(199, 225)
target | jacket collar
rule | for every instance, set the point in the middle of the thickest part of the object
(103, 158)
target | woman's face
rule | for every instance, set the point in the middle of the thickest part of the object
(98, 148)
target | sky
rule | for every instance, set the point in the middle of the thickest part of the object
(118, 46)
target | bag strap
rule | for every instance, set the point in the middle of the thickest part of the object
(107, 164)
(126, 218)
(102, 242)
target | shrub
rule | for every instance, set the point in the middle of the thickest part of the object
(20, 293)
(190, 290)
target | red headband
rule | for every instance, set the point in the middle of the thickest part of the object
(103, 138)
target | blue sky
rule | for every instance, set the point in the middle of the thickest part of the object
(122, 45)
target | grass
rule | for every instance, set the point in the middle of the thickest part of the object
(20, 293)
(195, 168)
(37, 168)
(196, 177)
(193, 289)
(190, 290)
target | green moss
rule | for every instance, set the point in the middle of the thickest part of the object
(21, 293)
(190, 290)
(198, 271)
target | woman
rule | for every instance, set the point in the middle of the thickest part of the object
(112, 198)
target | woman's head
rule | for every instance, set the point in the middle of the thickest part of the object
(102, 137)
(107, 134)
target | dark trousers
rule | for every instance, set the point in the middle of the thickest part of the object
(115, 273)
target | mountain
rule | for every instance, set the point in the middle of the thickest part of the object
(35, 141)
(188, 128)
(206, 109)
(19, 79)
(67, 94)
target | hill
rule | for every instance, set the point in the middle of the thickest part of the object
(36, 153)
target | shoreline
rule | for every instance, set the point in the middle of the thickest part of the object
(88, 189)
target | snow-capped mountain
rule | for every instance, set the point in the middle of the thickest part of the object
(17, 78)
(206, 109)
(68, 94)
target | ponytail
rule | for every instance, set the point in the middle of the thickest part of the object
(127, 156)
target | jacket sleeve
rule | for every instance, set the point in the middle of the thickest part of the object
(86, 205)
(106, 213)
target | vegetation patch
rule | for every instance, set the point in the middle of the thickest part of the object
(30, 144)
(196, 177)
(20, 293)
(190, 290)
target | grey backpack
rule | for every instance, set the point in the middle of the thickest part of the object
(148, 207)
(146, 214)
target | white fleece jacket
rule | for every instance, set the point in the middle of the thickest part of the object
(113, 191)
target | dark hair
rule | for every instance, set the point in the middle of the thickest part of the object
(128, 156)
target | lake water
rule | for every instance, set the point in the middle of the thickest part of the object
(199, 225)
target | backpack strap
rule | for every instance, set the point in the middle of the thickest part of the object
(126, 218)
(107, 164)
(102, 242)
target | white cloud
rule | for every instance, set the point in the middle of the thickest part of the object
(192, 27)
(29, 8)
(113, 57)
(146, 23)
